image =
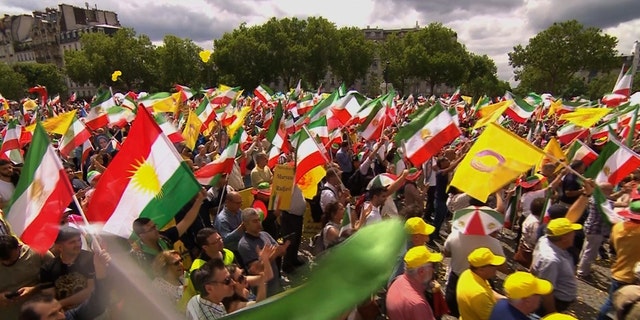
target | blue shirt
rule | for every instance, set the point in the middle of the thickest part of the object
(503, 310)
(344, 160)
(227, 224)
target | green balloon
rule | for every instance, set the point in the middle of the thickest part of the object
(345, 277)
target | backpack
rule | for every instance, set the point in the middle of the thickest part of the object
(314, 204)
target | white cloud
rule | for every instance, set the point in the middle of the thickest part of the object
(489, 27)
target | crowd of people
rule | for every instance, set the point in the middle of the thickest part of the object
(221, 256)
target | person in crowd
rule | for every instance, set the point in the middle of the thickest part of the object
(331, 224)
(372, 208)
(214, 283)
(418, 232)
(626, 300)
(405, 298)
(169, 275)
(474, 294)
(8, 180)
(70, 276)
(524, 294)
(343, 158)
(242, 296)
(229, 221)
(332, 190)
(291, 223)
(261, 172)
(153, 241)
(571, 186)
(445, 167)
(552, 262)
(529, 229)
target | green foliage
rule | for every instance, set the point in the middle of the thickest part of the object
(482, 78)
(13, 85)
(550, 60)
(179, 63)
(44, 74)
(353, 56)
(102, 54)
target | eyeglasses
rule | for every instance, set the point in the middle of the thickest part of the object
(177, 262)
(227, 281)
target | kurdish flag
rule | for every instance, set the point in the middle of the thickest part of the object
(75, 136)
(488, 165)
(424, 136)
(582, 152)
(211, 173)
(615, 162)
(42, 194)
(147, 178)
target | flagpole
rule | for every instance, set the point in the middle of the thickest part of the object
(566, 166)
(86, 222)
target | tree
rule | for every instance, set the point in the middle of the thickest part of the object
(434, 54)
(179, 62)
(45, 74)
(13, 85)
(552, 58)
(102, 54)
(482, 78)
(353, 56)
(395, 62)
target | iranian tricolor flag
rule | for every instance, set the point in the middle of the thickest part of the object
(602, 131)
(225, 96)
(264, 93)
(147, 178)
(168, 128)
(309, 164)
(623, 85)
(75, 136)
(205, 112)
(319, 130)
(424, 136)
(11, 143)
(274, 126)
(129, 101)
(582, 152)
(185, 92)
(41, 195)
(97, 116)
(211, 173)
(345, 109)
(519, 110)
(569, 132)
(87, 148)
(604, 207)
(615, 162)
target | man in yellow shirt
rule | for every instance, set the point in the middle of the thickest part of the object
(473, 292)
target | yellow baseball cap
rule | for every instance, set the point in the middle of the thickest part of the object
(561, 226)
(416, 225)
(419, 256)
(520, 285)
(559, 316)
(483, 257)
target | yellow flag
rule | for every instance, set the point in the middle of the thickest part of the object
(554, 107)
(30, 105)
(238, 121)
(191, 130)
(490, 109)
(492, 117)
(308, 184)
(554, 150)
(168, 104)
(467, 99)
(495, 159)
(58, 124)
(585, 117)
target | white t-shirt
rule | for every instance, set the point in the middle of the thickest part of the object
(461, 245)
(528, 197)
(6, 190)
(374, 215)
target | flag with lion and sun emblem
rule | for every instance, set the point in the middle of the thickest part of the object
(147, 178)
(427, 134)
(41, 195)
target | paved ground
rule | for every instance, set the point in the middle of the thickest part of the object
(591, 295)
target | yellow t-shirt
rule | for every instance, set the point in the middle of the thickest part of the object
(475, 297)
(625, 237)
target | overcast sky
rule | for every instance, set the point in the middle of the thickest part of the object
(489, 27)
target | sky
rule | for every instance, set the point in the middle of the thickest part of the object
(491, 27)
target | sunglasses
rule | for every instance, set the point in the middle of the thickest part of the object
(177, 262)
(227, 281)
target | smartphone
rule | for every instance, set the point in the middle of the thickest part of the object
(12, 295)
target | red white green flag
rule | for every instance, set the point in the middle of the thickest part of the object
(615, 162)
(519, 110)
(211, 173)
(309, 164)
(147, 178)
(168, 128)
(97, 116)
(425, 135)
(582, 152)
(41, 195)
(75, 136)
(569, 132)
(11, 143)
(264, 93)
